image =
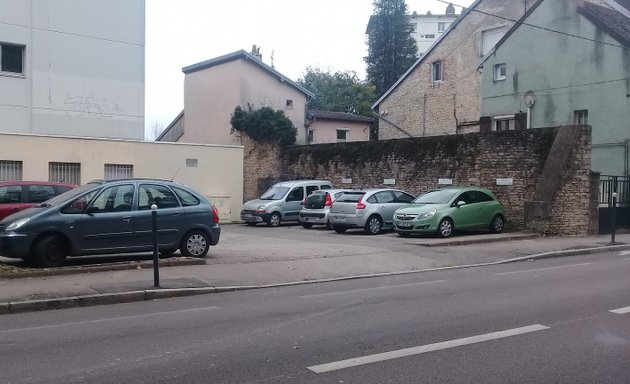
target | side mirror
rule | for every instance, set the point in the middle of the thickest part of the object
(460, 203)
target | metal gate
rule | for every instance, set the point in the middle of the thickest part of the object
(607, 186)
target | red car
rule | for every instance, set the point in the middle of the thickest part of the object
(18, 195)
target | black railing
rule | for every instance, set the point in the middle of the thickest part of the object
(611, 184)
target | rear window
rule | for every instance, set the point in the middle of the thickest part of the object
(10, 194)
(352, 197)
(40, 193)
(315, 201)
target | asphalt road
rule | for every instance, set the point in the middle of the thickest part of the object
(547, 321)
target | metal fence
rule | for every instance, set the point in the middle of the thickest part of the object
(118, 171)
(10, 170)
(611, 184)
(65, 173)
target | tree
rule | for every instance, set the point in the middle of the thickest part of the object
(154, 131)
(391, 47)
(341, 91)
(264, 125)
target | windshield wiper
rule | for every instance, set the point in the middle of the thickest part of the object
(43, 205)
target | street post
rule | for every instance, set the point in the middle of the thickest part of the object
(156, 260)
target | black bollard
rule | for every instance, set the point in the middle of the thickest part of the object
(156, 260)
(613, 218)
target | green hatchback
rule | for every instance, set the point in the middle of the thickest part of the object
(443, 210)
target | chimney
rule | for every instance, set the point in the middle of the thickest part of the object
(256, 52)
(450, 10)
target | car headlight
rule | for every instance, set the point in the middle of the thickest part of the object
(427, 215)
(17, 224)
(261, 208)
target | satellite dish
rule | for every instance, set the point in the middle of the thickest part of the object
(530, 99)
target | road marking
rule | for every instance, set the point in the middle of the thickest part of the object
(620, 311)
(369, 359)
(107, 319)
(371, 289)
(542, 269)
(623, 253)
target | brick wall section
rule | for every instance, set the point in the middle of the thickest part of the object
(422, 108)
(476, 159)
(260, 161)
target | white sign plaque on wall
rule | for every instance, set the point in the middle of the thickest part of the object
(509, 181)
(346, 181)
(389, 181)
(445, 181)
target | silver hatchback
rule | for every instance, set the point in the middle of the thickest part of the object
(317, 207)
(372, 210)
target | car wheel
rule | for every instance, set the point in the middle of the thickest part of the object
(339, 229)
(374, 225)
(51, 251)
(403, 234)
(306, 225)
(445, 228)
(251, 224)
(497, 224)
(195, 244)
(274, 220)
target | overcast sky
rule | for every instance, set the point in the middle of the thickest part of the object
(329, 34)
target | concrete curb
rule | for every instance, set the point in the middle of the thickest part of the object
(153, 294)
(145, 264)
(455, 242)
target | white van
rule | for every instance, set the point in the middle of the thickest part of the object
(282, 202)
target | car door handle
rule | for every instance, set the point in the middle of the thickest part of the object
(126, 219)
(175, 214)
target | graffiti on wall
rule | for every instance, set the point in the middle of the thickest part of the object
(91, 106)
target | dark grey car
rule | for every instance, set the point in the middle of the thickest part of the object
(105, 217)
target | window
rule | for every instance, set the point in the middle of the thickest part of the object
(580, 116)
(500, 72)
(149, 194)
(10, 170)
(40, 193)
(10, 194)
(402, 197)
(414, 27)
(187, 198)
(65, 172)
(310, 189)
(503, 123)
(490, 37)
(289, 104)
(431, 36)
(437, 72)
(113, 199)
(311, 136)
(118, 171)
(342, 135)
(77, 205)
(442, 26)
(12, 58)
(296, 194)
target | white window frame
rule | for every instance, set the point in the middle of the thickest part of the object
(435, 72)
(9, 73)
(500, 72)
(64, 172)
(442, 26)
(347, 134)
(10, 170)
(500, 120)
(117, 171)
(580, 116)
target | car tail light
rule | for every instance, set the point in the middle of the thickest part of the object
(361, 205)
(215, 215)
(328, 202)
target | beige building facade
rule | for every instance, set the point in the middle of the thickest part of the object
(214, 88)
(337, 127)
(440, 93)
(216, 171)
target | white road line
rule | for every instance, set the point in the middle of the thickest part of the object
(370, 289)
(542, 269)
(106, 320)
(623, 253)
(369, 359)
(621, 311)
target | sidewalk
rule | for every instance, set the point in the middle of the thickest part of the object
(251, 263)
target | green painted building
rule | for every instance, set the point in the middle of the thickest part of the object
(565, 62)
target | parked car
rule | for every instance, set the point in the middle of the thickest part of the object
(19, 195)
(317, 207)
(282, 202)
(105, 217)
(443, 210)
(372, 210)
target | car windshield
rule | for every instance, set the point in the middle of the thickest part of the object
(351, 197)
(274, 193)
(67, 195)
(442, 196)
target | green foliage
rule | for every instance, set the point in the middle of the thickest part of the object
(341, 91)
(264, 125)
(391, 47)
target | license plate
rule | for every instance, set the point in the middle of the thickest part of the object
(404, 225)
(248, 216)
(340, 218)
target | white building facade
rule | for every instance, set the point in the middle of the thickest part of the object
(72, 67)
(429, 27)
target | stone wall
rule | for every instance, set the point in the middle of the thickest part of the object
(261, 163)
